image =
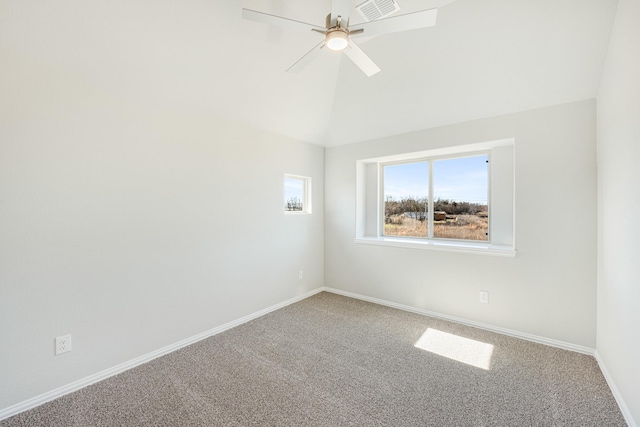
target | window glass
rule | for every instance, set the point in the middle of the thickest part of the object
(406, 192)
(297, 194)
(460, 198)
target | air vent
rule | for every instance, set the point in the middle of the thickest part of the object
(376, 9)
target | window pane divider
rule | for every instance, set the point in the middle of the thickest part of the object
(430, 203)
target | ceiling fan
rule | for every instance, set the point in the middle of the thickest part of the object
(338, 34)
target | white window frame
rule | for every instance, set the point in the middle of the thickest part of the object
(430, 198)
(501, 200)
(306, 194)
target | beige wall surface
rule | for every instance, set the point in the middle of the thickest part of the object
(618, 339)
(548, 289)
(133, 227)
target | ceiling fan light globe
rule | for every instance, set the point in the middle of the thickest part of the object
(337, 40)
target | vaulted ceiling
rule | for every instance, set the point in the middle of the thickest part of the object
(483, 58)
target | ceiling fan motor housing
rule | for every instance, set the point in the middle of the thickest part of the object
(337, 38)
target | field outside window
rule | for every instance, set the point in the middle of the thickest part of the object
(455, 190)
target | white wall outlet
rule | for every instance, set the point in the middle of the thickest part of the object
(63, 344)
(484, 297)
(300, 275)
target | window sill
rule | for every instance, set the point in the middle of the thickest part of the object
(436, 245)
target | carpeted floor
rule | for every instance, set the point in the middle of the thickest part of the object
(336, 361)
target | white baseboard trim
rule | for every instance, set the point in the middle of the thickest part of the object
(498, 329)
(79, 384)
(616, 393)
(91, 379)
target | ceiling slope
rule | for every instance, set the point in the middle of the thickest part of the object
(483, 58)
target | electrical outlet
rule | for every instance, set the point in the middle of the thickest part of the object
(63, 344)
(484, 297)
(300, 275)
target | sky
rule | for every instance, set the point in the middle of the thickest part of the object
(293, 188)
(463, 179)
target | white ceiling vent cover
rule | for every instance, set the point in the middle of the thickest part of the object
(376, 9)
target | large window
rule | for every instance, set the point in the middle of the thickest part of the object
(457, 198)
(455, 191)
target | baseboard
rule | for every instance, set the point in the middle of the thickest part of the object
(616, 393)
(485, 326)
(77, 385)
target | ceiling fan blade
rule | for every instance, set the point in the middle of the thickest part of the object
(340, 8)
(361, 59)
(306, 59)
(410, 21)
(279, 21)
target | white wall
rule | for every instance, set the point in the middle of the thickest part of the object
(133, 226)
(548, 289)
(618, 339)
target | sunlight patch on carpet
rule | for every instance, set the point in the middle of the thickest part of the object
(464, 350)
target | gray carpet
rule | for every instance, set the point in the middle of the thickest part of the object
(335, 361)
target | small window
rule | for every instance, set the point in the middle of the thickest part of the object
(297, 194)
(455, 190)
